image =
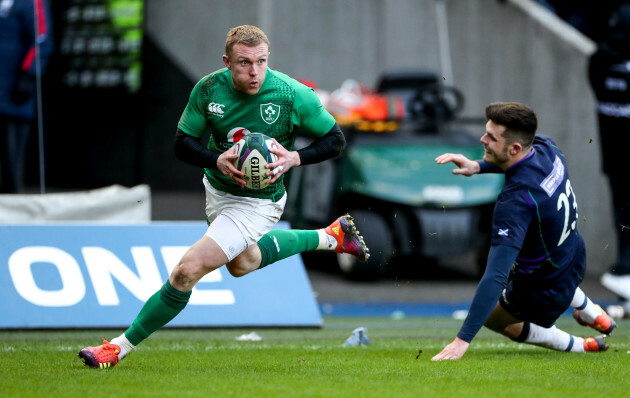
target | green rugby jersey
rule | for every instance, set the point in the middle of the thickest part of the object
(281, 105)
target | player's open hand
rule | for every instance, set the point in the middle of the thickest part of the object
(286, 160)
(225, 164)
(455, 350)
(464, 165)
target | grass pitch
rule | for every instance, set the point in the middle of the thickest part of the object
(313, 363)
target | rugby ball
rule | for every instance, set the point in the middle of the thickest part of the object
(253, 155)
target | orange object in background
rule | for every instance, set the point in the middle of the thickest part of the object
(380, 107)
(355, 102)
(361, 107)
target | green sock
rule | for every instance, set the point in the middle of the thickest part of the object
(159, 309)
(283, 243)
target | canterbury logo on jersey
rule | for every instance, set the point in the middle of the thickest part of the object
(215, 109)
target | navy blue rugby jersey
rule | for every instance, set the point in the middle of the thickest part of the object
(536, 212)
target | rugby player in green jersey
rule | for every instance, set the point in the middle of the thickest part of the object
(245, 96)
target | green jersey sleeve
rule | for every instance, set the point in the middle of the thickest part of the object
(309, 114)
(193, 120)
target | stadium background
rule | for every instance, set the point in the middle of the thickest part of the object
(499, 50)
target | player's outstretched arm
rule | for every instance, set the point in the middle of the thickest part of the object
(464, 165)
(455, 350)
(500, 260)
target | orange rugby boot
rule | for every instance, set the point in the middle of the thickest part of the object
(102, 357)
(595, 344)
(348, 239)
(603, 323)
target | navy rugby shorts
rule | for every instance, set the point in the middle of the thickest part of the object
(542, 302)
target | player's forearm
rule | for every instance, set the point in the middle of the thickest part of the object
(500, 259)
(325, 147)
(190, 150)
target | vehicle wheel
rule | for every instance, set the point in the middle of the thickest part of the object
(378, 239)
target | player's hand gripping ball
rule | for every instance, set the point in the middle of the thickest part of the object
(253, 155)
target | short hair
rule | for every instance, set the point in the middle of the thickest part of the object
(249, 35)
(519, 120)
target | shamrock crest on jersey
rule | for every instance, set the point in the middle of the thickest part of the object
(269, 112)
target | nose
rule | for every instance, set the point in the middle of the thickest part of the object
(483, 138)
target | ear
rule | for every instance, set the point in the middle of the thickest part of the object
(226, 61)
(515, 148)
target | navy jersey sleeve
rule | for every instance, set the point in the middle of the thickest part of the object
(485, 168)
(500, 260)
(512, 217)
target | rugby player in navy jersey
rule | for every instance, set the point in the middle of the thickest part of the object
(537, 257)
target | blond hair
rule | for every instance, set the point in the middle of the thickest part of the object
(249, 35)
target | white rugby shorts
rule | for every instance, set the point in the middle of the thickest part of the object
(237, 222)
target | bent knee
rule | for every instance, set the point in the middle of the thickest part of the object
(494, 326)
(511, 331)
(237, 272)
(239, 267)
(188, 272)
(183, 276)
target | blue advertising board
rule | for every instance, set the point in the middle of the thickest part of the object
(80, 275)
